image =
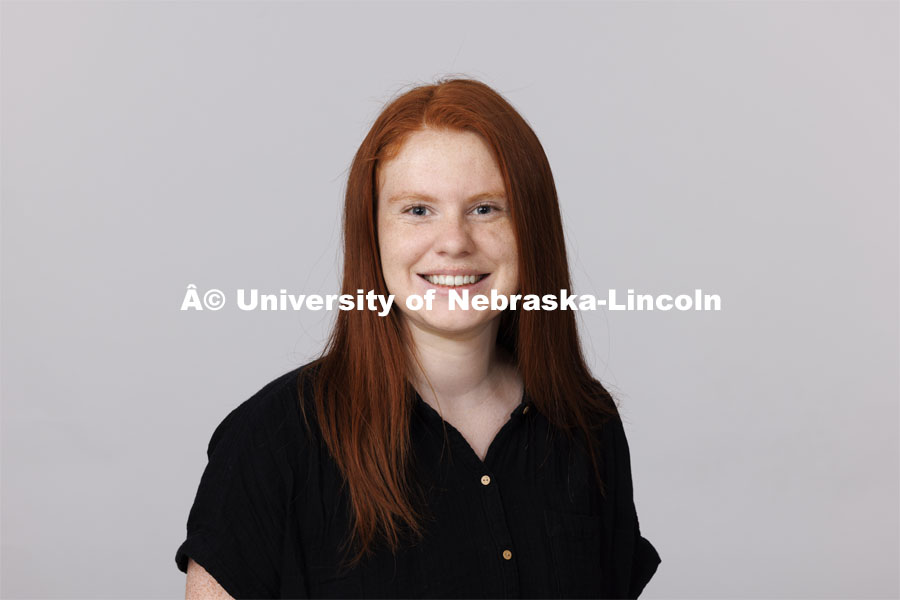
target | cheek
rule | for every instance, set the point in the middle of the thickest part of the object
(399, 247)
(500, 241)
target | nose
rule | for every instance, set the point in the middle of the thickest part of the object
(454, 237)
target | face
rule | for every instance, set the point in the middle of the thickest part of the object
(443, 213)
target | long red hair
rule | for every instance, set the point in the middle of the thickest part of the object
(363, 398)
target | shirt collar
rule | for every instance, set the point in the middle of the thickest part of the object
(525, 408)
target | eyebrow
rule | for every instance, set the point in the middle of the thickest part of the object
(420, 196)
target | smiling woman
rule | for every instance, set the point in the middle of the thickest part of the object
(433, 453)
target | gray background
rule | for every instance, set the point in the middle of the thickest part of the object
(746, 148)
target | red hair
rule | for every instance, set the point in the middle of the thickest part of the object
(363, 398)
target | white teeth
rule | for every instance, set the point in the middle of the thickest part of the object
(451, 280)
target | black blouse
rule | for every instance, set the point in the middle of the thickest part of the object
(270, 513)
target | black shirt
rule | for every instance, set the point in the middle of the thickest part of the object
(529, 521)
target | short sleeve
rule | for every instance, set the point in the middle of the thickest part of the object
(635, 558)
(237, 523)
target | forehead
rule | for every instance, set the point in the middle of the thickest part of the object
(441, 163)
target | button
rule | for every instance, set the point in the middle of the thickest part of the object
(507, 554)
(525, 410)
(485, 479)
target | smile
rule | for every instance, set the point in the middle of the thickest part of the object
(453, 280)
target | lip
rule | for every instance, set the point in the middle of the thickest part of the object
(453, 272)
(443, 290)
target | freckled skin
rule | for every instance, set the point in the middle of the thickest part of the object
(201, 585)
(453, 229)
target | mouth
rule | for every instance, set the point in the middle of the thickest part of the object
(453, 281)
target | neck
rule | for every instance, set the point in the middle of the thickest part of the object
(460, 373)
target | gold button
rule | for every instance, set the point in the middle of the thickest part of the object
(485, 479)
(525, 410)
(507, 554)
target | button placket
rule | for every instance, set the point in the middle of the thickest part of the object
(496, 516)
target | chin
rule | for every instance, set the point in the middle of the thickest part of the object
(453, 324)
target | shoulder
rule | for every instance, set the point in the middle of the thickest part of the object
(272, 415)
(609, 425)
(615, 441)
(259, 459)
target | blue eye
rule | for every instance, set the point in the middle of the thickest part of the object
(487, 206)
(418, 211)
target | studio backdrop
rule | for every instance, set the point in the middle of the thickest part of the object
(748, 150)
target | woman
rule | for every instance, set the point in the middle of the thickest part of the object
(432, 453)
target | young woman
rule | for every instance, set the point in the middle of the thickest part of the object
(432, 453)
